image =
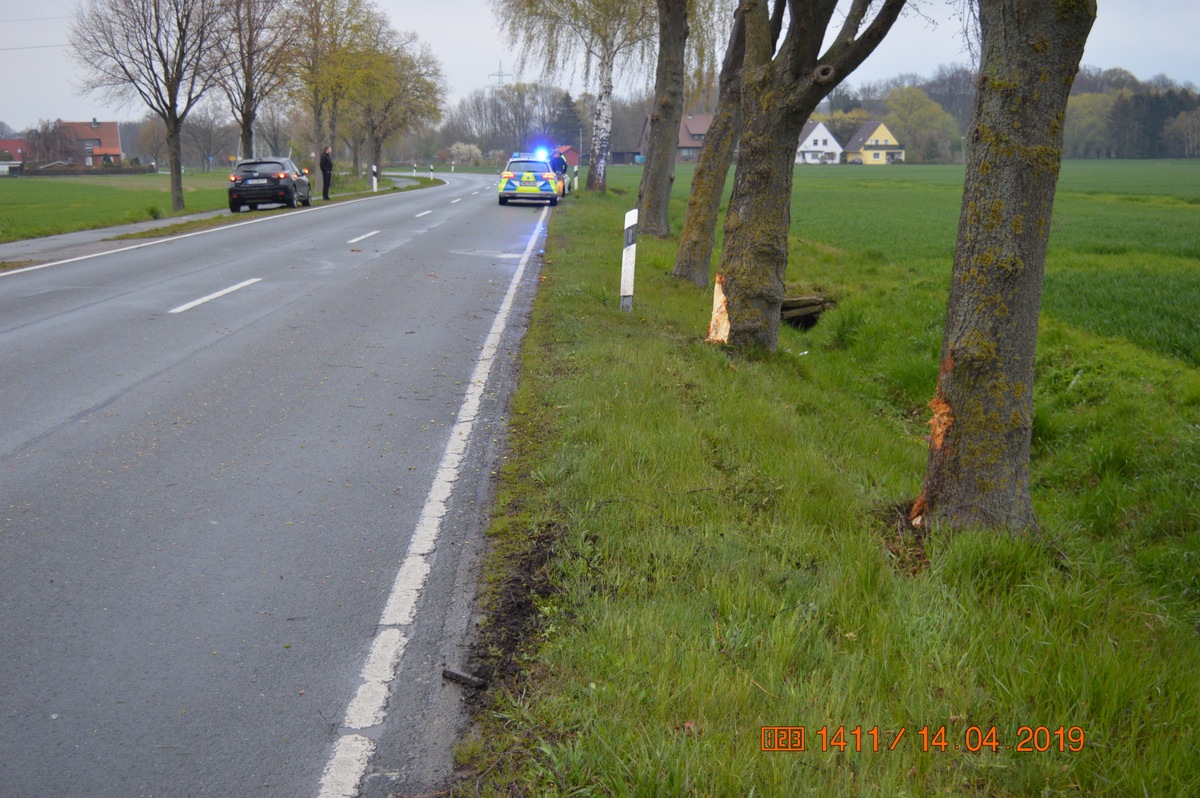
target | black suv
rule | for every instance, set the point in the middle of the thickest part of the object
(265, 181)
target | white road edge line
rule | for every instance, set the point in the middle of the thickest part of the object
(211, 297)
(352, 752)
(363, 238)
(423, 213)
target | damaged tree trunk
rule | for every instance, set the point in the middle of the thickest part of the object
(977, 474)
(780, 89)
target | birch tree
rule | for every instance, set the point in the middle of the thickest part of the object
(977, 474)
(161, 52)
(605, 32)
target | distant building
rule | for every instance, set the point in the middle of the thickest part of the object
(16, 148)
(692, 130)
(100, 142)
(818, 145)
(874, 145)
(569, 154)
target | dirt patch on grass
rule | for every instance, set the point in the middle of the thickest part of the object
(513, 624)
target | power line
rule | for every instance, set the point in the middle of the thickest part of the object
(33, 47)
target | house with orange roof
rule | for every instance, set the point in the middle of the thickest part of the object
(100, 142)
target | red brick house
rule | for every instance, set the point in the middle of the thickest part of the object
(569, 154)
(692, 130)
(100, 142)
(17, 148)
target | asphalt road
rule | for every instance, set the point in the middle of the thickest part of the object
(211, 514)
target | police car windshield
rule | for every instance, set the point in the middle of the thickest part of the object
(528, 166)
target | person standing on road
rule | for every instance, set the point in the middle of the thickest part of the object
(326, 171)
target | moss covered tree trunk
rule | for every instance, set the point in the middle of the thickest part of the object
(780, 89)
(708, 183)
(654, 193)
(978, 469)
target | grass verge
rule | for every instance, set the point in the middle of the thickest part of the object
(692, 545)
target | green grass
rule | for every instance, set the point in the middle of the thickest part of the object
(43, 206)
(721, 529)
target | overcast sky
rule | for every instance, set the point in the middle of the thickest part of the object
(1147, 37)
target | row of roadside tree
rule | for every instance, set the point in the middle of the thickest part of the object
(354, 75)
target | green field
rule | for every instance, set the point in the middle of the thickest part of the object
(41, 206)
(691, 544)
(33, 207)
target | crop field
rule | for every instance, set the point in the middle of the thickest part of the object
(709, 539)
(32, 207)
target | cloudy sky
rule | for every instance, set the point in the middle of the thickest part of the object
(1147, 37)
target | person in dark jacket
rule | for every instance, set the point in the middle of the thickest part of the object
(326, 171)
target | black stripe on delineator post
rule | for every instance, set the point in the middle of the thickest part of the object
(628, 257)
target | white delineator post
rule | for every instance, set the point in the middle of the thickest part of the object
(628, 257)
(374, 177)
(575, 186)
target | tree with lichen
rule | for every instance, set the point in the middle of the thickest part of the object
(683, 26)
(782, 83)
(977, 474)
(697, 238)
(658, 173)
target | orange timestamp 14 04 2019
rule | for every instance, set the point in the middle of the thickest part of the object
(1029, 739)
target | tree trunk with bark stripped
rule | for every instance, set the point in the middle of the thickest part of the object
(978, 469)
(780, 90)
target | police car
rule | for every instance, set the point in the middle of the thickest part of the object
(528, 176)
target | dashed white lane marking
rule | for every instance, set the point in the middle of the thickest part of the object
(423, 213)
(352, 752)
(211, 297)
(363, 237)
(452, 202)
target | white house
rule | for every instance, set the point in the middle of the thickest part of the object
(817, 145)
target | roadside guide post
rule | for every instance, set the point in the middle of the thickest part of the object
(374, 177)
(628, 257)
